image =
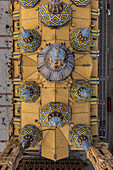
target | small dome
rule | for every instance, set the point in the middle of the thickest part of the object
(80, 136)
(81, 39)
(29, 91)
(55, 62)
(55, 114)
(29, 40)
(81, 2)
(28, 3)
(80, 91)
(29, 135)
(50, 17)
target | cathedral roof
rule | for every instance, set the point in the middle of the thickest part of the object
(80, 136)
(29, 91)
(81, 2)
(30, 132)
(55, 62)
(55, 114)
(81, 91)
(51, 19)
(81, 39)
(29, 40)
(54, 145)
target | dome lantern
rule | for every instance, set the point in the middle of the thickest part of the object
(55, 6)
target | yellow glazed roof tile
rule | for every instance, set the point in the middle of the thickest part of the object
(55, 145)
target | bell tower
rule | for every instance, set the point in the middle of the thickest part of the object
(12, 154)
(100, 156)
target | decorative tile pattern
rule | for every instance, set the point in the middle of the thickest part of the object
(81, 2)
(86, 91)
(30, 47)
(29, 91)
(76, 132)
(77, 44)
(30, 130)
(55, 107)
(55, 19)
(28, 3)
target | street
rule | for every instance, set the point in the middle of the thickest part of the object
(106, 71)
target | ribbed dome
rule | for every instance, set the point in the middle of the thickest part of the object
(80, 136)
(29, 91)
(81, 91)
(29, 136)
(29, 40)
(81, 39)
(55, 62)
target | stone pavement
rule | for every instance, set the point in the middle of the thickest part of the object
(5, 85)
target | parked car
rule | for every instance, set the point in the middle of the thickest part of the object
(108, 9)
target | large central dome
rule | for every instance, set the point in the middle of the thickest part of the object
(55, 62)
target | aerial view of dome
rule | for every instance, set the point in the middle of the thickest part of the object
(55, 62)
(29, 91)
(29, 3)
(29, 40)
(81, 91)
(55, 103)
(55, 115)
(81, 39)
(55, 13)
(29, 136)
(81, 136)
(81, 2)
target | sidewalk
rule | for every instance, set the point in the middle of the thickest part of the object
(5, 87)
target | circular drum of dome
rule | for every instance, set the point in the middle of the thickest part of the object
(29, 136)
(55, 62)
